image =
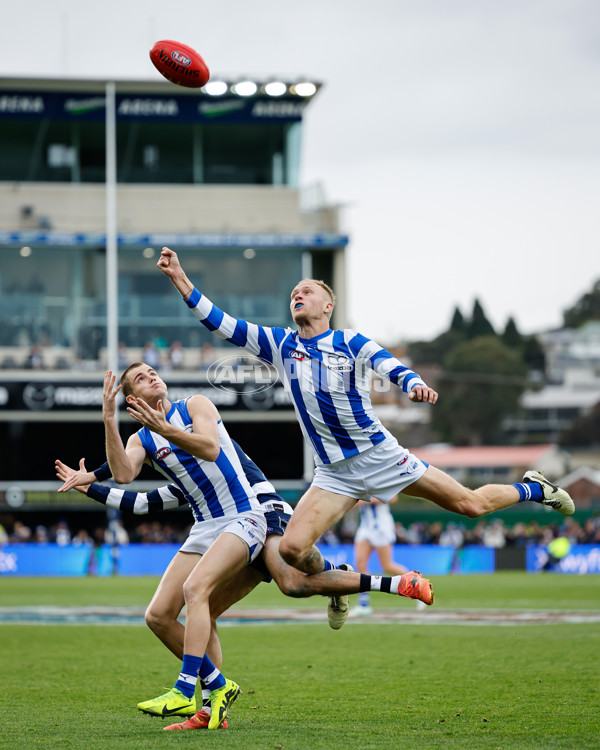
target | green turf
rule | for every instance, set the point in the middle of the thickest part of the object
(307, 687)
(501, 590)
(367, 686)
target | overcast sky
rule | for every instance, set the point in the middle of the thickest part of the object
(460, 136)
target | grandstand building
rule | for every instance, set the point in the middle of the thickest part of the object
(214, 174)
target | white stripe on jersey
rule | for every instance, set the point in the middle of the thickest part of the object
(212, 488)
(327, 377)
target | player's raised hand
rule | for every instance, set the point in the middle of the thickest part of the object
(71, 479)
(109, 395)
(169, 264)
(154, 419)
(423, 393)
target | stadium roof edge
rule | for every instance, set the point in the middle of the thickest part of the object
(132, 85)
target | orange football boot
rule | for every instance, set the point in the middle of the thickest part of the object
(198, 721)
(413, 585)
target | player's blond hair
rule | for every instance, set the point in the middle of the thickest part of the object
(325, 287)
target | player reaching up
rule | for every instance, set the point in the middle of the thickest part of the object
(187, 442)
(326, 372)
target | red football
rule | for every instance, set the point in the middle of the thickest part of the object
(179, 64)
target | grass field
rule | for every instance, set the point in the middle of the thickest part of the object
(305, 686)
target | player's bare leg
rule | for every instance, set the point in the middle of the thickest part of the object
(442, 489)
(168, 600)
(362, 552)
(317, 510)
(387, 563)
(223, 560)
(172, 636)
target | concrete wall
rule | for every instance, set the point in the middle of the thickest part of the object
(151, 208)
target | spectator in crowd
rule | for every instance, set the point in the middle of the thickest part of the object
(98, 536)
(151, 356)
(20, 533)
(82, 539)
(41, 535)
(493, 534)
(3, 535)
(122, 356)
(207, 356)
(175, 356)
(452, 536)
(591, 531)
(35, 359)
(60, 533)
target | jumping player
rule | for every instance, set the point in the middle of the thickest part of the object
(166, 605)
(326, 372)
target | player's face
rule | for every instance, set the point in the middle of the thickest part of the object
(309, 301)
(146, 384)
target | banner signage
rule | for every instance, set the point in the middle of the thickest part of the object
(176, 239)
(69, 396)
(173, 107)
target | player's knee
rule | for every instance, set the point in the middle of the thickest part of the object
(193, 592)
(155, 619)
(289, 551)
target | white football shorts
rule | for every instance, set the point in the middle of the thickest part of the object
(376, 528)
(250, 527)
(382, 472)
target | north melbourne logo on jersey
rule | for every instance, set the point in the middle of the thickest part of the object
(339, 362)
(162, 453)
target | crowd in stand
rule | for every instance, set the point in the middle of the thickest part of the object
(492, 533)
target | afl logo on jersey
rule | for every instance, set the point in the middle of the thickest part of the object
(162, 453)
(298, 355)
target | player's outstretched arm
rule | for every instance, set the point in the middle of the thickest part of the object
(387, 366)
(71, 478)
(259, 340)
(423, 393)
(125, 462)
(169, 264)
(138, 503)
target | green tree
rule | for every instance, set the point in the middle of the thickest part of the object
(511, 336)
(533, 354)
(434, 352)
(585, 309)
(479, 325)
(458, 322)
(481, 386)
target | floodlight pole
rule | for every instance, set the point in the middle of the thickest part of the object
(112, 266)
(112, 323)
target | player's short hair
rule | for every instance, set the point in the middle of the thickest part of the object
(325, 287)
(125, 384)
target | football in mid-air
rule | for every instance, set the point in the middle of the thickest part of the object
(179, 64)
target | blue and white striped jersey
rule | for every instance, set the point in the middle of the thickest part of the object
(171, 496)
(212, 488)
(327, 377)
